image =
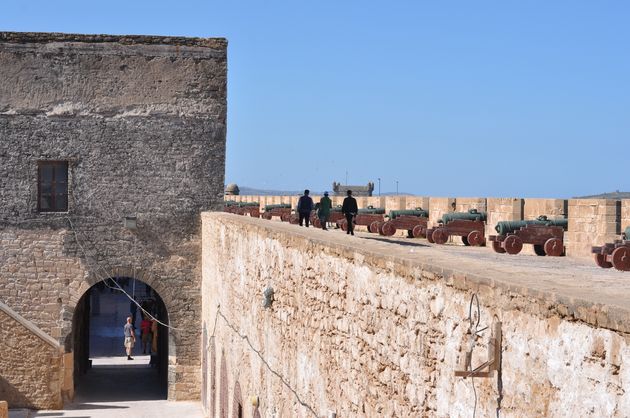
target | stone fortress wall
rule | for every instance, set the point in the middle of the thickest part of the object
(141, 121)
(591, 221)
(363, 328)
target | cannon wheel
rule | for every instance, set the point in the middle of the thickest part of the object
(621, 258)
(418, 231)
(513, 244)
(343, 224)
(539, 250)
(388, 229)
(465, 241)
(409, 233)
(429, 233)
(600, 260)
(440, 236)
(266, 216)
(554, 247)
(476, 238)
(294, 220)
(317, 223)
(373, 227)
(496, 246)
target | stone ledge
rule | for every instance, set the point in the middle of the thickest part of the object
(563, 287)
(30, 326)
(46, 37)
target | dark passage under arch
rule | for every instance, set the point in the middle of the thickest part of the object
(102, 371)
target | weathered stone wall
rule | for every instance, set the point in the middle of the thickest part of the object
(31, 363)
(503, 209)
(592, 222)
(625, 214)
(464, 204)
(438, 206)
(141, 122)
(362, 332)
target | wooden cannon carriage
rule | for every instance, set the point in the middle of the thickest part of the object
(546, 235)
(243, 208)
(468, 225)
(615, 254)
(365, 217)
(413, 220)
(279, 210)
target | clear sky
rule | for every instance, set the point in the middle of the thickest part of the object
(461, 98)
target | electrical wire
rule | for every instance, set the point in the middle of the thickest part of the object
(259, 354)
(108, 276)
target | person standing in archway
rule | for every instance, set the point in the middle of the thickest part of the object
(130, 338)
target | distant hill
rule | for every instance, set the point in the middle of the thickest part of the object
(250, 191)
(612, 195)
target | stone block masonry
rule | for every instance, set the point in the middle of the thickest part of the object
(32, 364)
(367, 328)
(141, 122)
(592, 222)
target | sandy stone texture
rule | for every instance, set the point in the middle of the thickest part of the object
(363, 334)
(592, 222)
(32, 369)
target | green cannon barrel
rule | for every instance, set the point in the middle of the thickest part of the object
(370, 210)
(248, 204)
(505, 227)
(627, 233)
(393, 214)
(278, 206)
(230, 203)
(336, 208)
(471, 215)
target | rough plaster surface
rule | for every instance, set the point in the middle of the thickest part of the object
(141, 121)
(367, 328)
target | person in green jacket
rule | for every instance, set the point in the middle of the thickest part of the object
(325, 204)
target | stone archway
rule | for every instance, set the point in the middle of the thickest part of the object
(80, 336)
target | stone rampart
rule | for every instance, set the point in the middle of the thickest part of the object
(366, 328)
(591, 221)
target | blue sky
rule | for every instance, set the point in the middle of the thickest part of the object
(487, 98)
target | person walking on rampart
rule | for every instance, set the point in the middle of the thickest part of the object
(304, 207)
(130, 338)
(350, 209)
(325, 205)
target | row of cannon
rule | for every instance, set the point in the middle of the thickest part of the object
(544, 234)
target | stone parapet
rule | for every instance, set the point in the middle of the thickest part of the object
(503, 209)
(464, 204)
(368, 328)
(592, 222)
(438, 206)
(625, 214)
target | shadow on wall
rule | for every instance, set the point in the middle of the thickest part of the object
(13, 396)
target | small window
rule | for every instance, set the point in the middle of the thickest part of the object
(52, 186)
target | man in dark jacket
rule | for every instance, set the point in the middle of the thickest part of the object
(350, 209)
(304, 207)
